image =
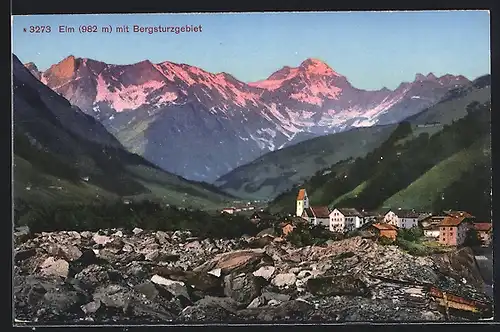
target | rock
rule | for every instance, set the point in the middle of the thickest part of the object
(303, 274)
(153, 255)
(87, 258)
(162, 237)
(137, 270)
(260, 242)
(336, 285)
(53, 249)
(108, 255)
(71, 253)
(205, 282)
(148, 289)
(101, 239)
(93, 276)
(52, 267)
(235, 261)
(91, 307)
(273, 302)
(265, 272)
(193, 245)
(176, 288)
(242, 288)
(215, 309)
(291, 310)
(127, 248)
(114, 296)
(268, 296)
(24, 254)
(60, 300)
(181, 235)
(284, 279)
(137, 231)
(116, 243)
(215, 272)
(118, 233)
(257, 302)
(35, 294)
(86, 234)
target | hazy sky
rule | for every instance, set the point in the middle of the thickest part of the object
(373, 49)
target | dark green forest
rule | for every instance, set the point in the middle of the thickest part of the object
(116, 214)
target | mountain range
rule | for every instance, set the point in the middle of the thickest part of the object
(63, 155)
(202, 125)
(278, 171)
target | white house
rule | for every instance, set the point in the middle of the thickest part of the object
(430, 225)
(302, 202)
(402, 218)
(431, 231)
(345, 219)
(228, 210)
(317, 215)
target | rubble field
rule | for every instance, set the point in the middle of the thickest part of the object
(136, 277)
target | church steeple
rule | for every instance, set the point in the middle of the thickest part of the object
(302, 202)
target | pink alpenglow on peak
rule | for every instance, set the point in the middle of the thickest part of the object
(309, 67)
(317, 67)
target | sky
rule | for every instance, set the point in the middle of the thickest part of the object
(372, 49)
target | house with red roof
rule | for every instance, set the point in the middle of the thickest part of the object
(454, 227)
(317, 215)
(384, 229)
(484, 229)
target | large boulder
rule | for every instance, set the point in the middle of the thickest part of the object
(336, 285)
(236, 261)
(55, 267)
(243, 287)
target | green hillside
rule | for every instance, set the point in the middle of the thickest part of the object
(430, 187)
(42, 177)
(411, 171)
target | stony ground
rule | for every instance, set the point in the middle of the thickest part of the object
(139, 276)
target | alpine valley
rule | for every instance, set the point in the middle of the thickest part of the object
(202, 125)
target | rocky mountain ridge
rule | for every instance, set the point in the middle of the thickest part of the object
(179, 116)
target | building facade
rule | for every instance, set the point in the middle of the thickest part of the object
(454, 227)
(317, 215)
(345, 219)
(402, 218)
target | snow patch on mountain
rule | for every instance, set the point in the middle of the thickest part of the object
(130, 97)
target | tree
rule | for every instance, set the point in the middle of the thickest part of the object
(472, 239)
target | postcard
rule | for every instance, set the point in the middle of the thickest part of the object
(274, 167)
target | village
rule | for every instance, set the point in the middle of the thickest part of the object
(448, 228)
